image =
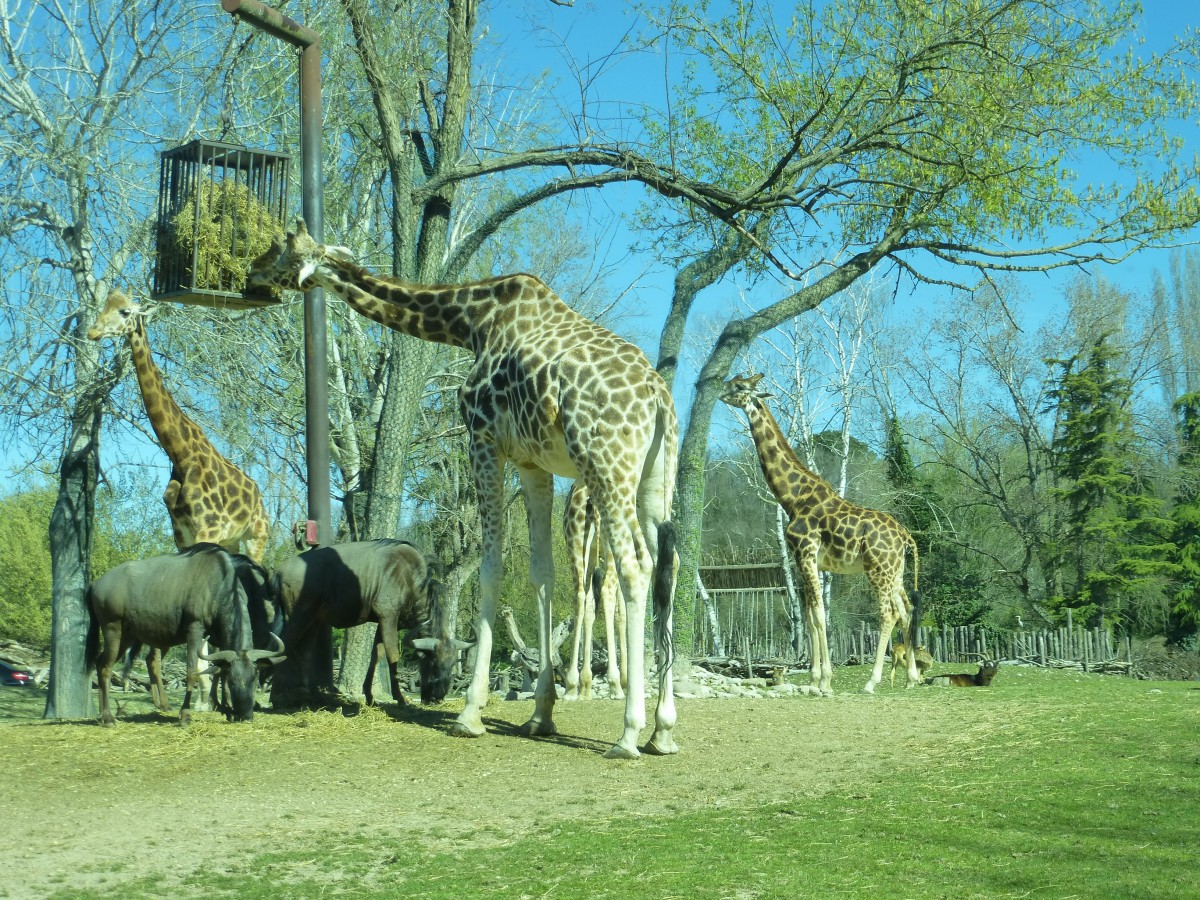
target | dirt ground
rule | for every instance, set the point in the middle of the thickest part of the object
(102, 806)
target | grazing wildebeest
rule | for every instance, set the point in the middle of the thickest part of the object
(383, 581)
(183, 598)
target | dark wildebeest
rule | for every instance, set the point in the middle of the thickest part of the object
(183, 598)
(383, 581)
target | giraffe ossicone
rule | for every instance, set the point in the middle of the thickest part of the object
(552, 393)
(826, 532)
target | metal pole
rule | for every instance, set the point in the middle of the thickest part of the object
(316, 359)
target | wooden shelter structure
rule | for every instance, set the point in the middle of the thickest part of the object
(747, 605)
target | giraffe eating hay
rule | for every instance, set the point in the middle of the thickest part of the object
(555, 394)
(827, 532)
(585, 551)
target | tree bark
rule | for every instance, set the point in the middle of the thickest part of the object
(71, 527)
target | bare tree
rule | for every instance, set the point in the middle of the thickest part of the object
(83, 91)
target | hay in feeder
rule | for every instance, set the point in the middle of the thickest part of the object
(226, 227)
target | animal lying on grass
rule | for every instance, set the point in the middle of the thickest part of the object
(900, 660)
(982, 678)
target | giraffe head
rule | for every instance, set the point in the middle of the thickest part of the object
(288, 264)
(118, 318)
(742, 391)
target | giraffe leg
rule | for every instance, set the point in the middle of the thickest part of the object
(665, 570)
(614, 632)
(577, 557)
(914, 674)
(538, 488)
(585, 661)
(488, 470)
(820, 669)
(890, 595)
(633, 563)
(260, 532)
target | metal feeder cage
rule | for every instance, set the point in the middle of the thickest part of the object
(218, 207)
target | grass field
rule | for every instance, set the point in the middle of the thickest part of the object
(1047, 785)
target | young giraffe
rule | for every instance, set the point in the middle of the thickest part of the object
(209, 499)
(826, 532)
(555, 394)
(585, 551)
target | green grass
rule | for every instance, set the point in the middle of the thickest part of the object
(1054, 786)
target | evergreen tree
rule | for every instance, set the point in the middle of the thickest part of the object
(950, 588)
(1184, 623)
(1117, 545)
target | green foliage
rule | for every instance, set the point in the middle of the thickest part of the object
(1116, 543)
(123, 532)
(25, 566)
(224, 227)
(961, 121)
(1185, 519)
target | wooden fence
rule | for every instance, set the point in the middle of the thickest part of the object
(752, 621)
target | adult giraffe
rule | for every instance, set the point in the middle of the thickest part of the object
(827, 532)
(555, 394)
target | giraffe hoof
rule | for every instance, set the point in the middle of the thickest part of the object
(616, 751)
(661, 745)
(462, 730)
(534, 728)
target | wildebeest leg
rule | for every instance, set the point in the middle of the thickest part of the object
(158, 691)
(194, 642)
(369, 681)
(105, 660)
(388, 636)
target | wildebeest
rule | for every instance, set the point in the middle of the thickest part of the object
(183, 598)
(383, 581)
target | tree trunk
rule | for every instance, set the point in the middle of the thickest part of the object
(71, 524)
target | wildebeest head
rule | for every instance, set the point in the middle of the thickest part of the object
(239, 671)
(436, 657)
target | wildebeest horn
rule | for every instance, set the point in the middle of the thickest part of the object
(425, 643)
(226, 656)
(273, 656)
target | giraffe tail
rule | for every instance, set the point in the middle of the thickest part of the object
(663, 594)
(914, 617)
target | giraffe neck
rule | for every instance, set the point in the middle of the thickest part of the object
(177, 434)
(792, 482)
(438, 313)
